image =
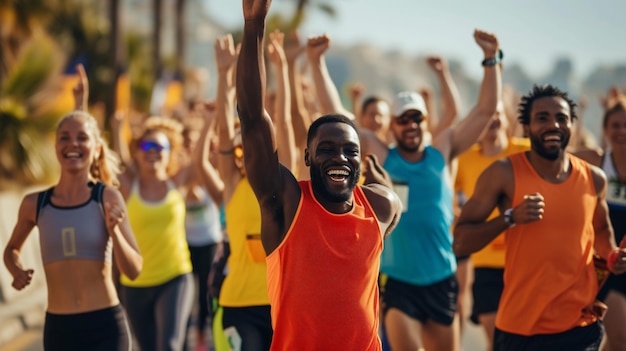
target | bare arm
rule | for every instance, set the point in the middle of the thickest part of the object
(449, 95)
(327, 93)
(471, 232)
(226, 57)
(301, 119)
(125, 250)
(275, 187)
(81, 89)
(468, 130)
(379, 188)
(282, 110)
(209, 176)
(25, 223)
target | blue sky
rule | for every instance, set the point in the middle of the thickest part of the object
(532, 32)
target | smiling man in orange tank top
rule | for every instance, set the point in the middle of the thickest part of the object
(555, 217)
(323, 237)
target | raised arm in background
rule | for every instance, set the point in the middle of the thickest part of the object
(209, 176)
(282, 106)
(456, 139)
(450, 100)
(225, 57)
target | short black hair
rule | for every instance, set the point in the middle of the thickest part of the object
(541, 91)
(331, 118)
(370, 100)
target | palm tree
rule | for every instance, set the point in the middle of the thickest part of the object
(27, 117)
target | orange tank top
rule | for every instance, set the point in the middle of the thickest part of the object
(549, 275)
(322, 279)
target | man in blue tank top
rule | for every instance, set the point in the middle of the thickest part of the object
(420, 292)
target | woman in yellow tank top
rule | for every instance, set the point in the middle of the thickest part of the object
(160, 300)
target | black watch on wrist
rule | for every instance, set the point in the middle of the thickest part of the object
(508, 218)
(492, 61)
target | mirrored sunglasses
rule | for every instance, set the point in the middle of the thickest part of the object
(152, 145)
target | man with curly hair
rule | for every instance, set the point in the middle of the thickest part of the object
(554, 214)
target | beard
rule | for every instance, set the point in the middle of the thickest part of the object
(536, 143)
(319, 182)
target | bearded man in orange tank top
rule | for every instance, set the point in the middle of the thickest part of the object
(555, 217)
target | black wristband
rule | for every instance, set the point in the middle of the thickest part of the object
(492, 61)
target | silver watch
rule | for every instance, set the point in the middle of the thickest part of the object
(508, 217)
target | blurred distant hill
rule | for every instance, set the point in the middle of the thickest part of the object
(385, 73)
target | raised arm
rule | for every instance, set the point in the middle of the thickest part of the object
(275, 187)
(327, 94)
(459, 138)
(81, 89)
(209, 176)
(282, 106)
(450, 99)
(226, 57)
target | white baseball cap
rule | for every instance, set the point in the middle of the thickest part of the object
(408, 100)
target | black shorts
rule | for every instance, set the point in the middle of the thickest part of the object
(462, 258)
(613, 283)
(102, 330)
(252, 325)
(486, 291)
(577, 339)
(436, 302)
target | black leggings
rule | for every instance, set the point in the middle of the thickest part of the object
(248, 328)
(201, 259)
(102, 330)
(159, 314)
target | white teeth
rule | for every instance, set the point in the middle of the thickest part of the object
(72, 154)
(338, 172)
(552, 138)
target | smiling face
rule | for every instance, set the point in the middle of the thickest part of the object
(615, 129)
(153, 152)
(408, 130)
(550, 126)
(334, 158)
(375, 117)
(76, 144)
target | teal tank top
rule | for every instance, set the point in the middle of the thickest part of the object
(419, 250)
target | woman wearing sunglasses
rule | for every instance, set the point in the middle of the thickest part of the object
(160, 300)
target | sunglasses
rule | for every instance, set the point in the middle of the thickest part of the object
(405, 119)
(152, 145)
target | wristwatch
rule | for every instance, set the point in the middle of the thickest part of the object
(508, 218)
(492, 61)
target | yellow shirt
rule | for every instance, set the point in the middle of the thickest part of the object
(159, 228)
(471, 164)
(245, 284)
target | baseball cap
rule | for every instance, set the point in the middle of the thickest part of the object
(408, 100)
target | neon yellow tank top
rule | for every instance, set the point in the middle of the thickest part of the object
(159, 228)
(245, 284)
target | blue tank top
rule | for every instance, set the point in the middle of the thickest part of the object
(419, 250)
(76, 232)
(615, 196)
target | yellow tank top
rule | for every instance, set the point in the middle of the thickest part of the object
(245, 284)
(159, 228)
(471, 164)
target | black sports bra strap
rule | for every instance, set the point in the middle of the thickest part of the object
(42, 200)
(98, 190)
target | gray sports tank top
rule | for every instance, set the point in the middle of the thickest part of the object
(76, 232)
